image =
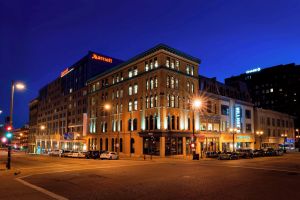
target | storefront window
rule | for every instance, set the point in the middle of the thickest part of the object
(173, 146)
(151, 145)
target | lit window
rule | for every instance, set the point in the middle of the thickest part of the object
(147, 85)
(187, 69)
(147, 102)
(168, 81)
(113, 80)
(135, 89)
(151, 102)
(176, 83)
(188, 86)
(117, 78)
(172, 101)
(156, 82)
(151, 84)
(172, 82)
(135, 72)
(117, 94)
(172, 64)
(130, 90)
(146, 66)
(130, 106)
(168, 62)
(177, 65)
(271, 90)
(209, 127)
(280, 90)
(155, 63)
(121, 93)
(155, 101)
(192, 70)
(130, 73)
(151, 64)
(135, 105)
(192, 88)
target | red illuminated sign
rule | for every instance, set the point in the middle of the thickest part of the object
(65, 72)
(101, 58)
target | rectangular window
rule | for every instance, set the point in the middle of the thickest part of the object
(155, 63)
(146, 66)
(135, 71)
(135, 89)
(168, 62)
(248, 114)
(225, 110)
(248, 127)
(135, 104)
(130, 106)
(130, 90)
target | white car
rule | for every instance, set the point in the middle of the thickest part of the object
(55, 152)
(77, 155)
(109, 155)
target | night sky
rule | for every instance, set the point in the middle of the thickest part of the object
(38, 39)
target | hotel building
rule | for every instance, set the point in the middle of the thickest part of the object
(58, 116)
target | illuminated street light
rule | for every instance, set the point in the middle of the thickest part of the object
(20, 86)
(107, 106)
(17, 86)
(196, 105)
(42, 127)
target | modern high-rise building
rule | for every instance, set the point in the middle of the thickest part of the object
(275, 88)
(58, 116)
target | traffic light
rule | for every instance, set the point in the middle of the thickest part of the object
(8, 133)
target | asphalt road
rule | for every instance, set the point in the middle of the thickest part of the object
(42, 177)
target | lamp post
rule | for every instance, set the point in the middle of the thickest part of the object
(260, 133)
(18, 86)
(196, 105)
(233, 131)
(298, 139)
(284, 135)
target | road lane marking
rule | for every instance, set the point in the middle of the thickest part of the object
(42, 190)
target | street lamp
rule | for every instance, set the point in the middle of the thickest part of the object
(260, 133)
(284, 135)
(196, 105)
(17, 86)
(233, 131)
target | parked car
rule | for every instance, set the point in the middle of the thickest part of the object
(270, 152)
(258, 153)
(245, 153)
(211, 154)
(77, 155)
(279, 152)
(228, 156)
(92, 155)
(55, 152)
(109, 155)
(65, 153)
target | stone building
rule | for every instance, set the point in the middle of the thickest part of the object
(143, 106)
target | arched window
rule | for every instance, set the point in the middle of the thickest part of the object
(151, 122)
(121, 145)
(155, 101)
(129, 125)
(135, 124)
(172, 101)
(155, 122)
(173, 122)
(147, 123)
(169, 122)
(113, 144)
(172, 82)
(106, 144)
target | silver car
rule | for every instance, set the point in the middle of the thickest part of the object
(109, 155)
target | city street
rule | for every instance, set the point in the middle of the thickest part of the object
(43, 177)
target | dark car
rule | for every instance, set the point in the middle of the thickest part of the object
(258, 153)
(211, 154)
(270, 152)
(92, 154)
(228, 156)
(245, 153)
